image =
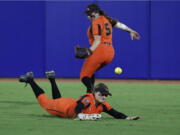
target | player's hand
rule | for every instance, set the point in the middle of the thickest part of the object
(134, 35)
(133, 118)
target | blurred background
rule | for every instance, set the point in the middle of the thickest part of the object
(41, 35)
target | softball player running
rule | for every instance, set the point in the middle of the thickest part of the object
(100, 40)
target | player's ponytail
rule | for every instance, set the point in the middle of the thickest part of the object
(111, 20)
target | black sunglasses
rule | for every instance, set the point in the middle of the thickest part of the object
(103, 94)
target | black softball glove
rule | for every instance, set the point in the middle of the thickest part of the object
(82, 52)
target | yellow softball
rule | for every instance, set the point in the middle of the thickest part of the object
(118, 70)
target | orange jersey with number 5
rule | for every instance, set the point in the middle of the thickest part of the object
(102, 27)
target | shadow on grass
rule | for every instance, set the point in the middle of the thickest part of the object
(49, 116)
(39, 116)
(42, 116)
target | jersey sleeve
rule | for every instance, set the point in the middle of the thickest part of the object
(112, 21)
(85, 101)
(106, 107)
(116, 114)
(96, 28)
(82, 103)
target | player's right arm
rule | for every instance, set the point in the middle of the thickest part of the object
(96, 42)
(96, 32)
(82, 103)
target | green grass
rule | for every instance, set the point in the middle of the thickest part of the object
(157, 104)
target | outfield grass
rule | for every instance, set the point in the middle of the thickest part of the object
(157, 104)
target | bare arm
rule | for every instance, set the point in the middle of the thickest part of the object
(97, 41)
(133, 33)
(118, 24)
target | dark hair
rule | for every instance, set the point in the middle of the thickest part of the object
(96, 8)
(100, 85)
(102, 88)
(92, 8)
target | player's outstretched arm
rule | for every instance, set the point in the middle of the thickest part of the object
(133, 33)
(117, 24)
(116, 114)
(119, 115)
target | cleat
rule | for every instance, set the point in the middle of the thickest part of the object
(27, 77)
(50, 74)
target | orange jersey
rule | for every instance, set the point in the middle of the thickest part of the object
(65, 107)
(104, 53)
(90, 107)
(100, 26)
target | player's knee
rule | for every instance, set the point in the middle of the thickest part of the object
(85, 78)
(43, 101)
(84, 75)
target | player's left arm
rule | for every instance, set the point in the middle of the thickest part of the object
(117, 24)
(116, 114)
(119, 115)
(133, 33)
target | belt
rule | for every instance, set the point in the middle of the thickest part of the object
(107, 43)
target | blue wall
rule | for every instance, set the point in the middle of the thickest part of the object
(165, 40)
(22, 38)
(40, 36)
(132, 56)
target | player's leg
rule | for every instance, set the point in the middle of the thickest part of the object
(88, 70)
(55, 91)
(87, 82)
(109, 55)
(93, 79)
(29, 78)
(42, 98)
(93, 63)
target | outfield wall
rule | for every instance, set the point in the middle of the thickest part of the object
(40, 36)
(22, 37)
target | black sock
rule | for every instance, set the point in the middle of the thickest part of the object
(93, 79)
(55, 90)
(87, 82)
(36, 89)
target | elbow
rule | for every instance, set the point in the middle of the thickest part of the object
(79, 107)
(121, 26)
